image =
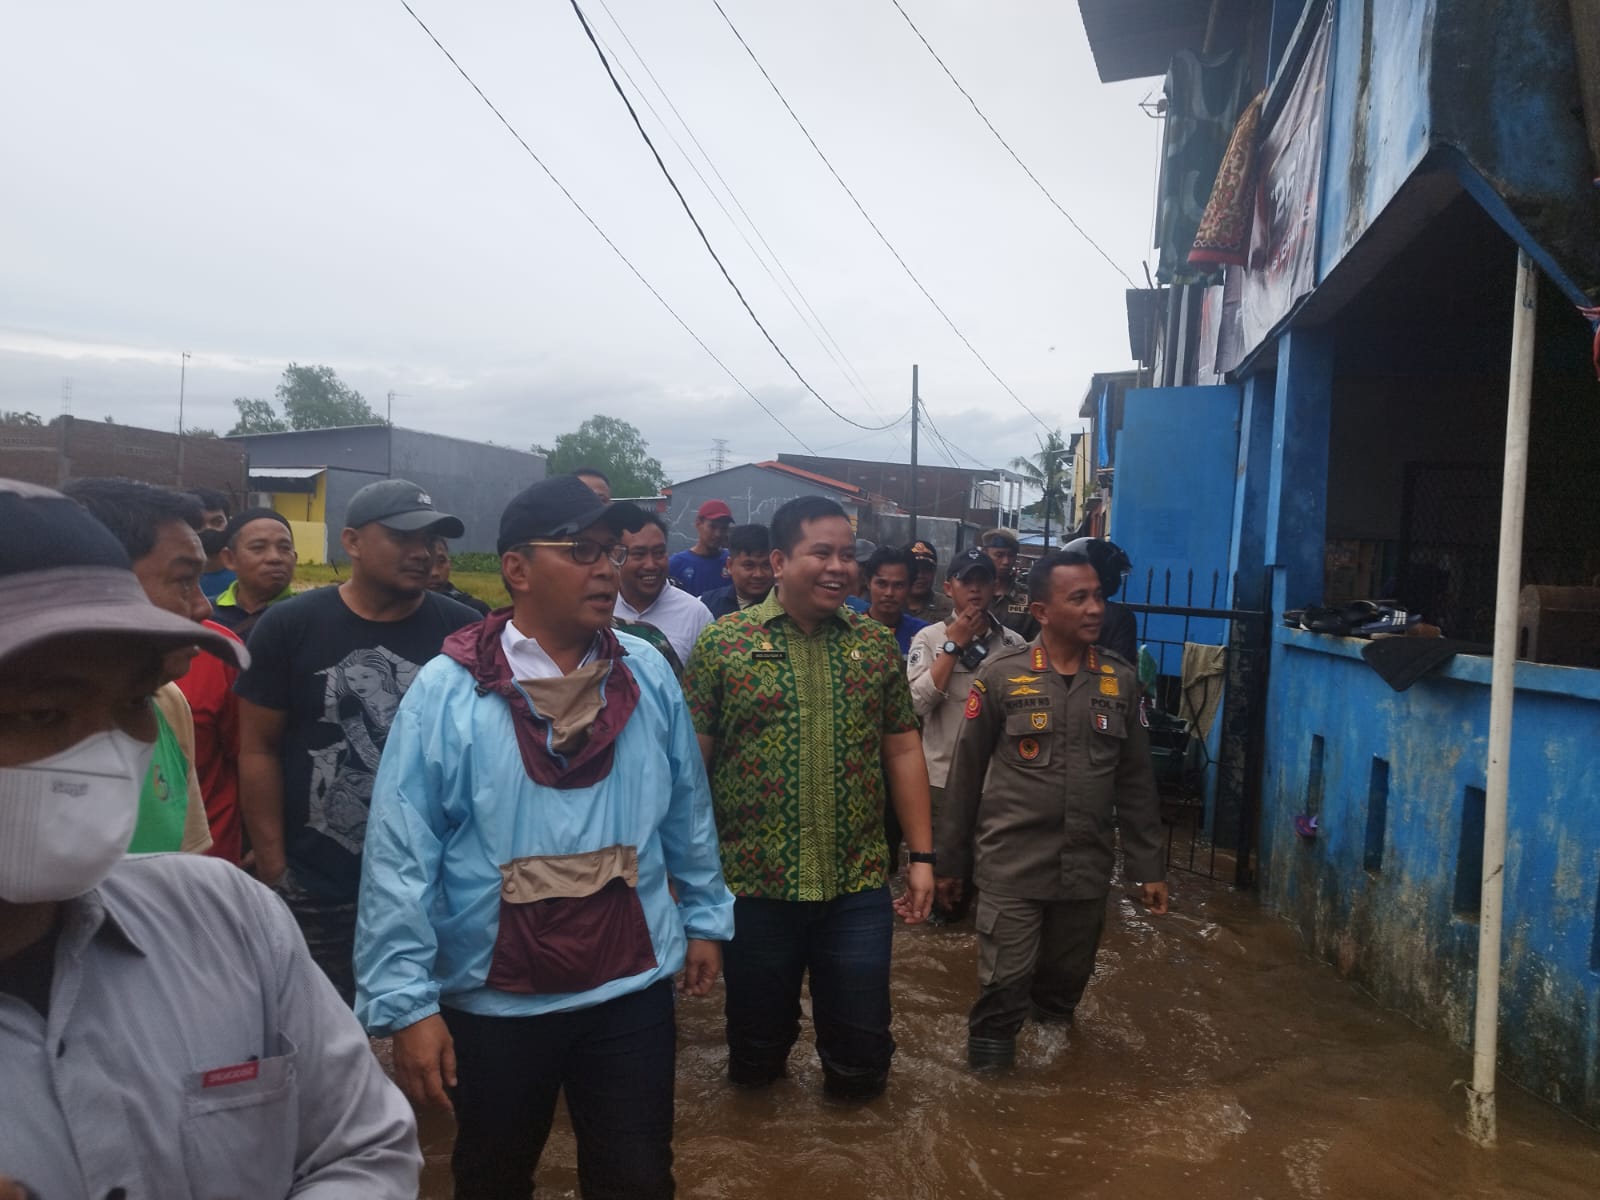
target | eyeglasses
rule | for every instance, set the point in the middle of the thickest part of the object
(655, 553)
(586, 553)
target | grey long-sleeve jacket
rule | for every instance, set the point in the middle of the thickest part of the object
(1045, 767)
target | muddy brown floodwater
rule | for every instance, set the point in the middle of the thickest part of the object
(1211, 1058)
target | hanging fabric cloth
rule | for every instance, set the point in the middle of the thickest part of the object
(1203, 100)
(1223, 238)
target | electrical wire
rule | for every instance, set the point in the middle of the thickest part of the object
(868, 218)
(699, 229)
(831, 345)
(1017, 158)
(949, 445)
(595, 225)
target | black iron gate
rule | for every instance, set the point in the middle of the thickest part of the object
(1203, 670)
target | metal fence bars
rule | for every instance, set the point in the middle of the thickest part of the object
(1203, 677)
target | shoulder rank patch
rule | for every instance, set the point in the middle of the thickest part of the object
(1102, 722)
(1039, 660)
(1040, 720)
(1108, 686)
(1022, 679)
(974, 704)
(1023, 690)
(1028, 748)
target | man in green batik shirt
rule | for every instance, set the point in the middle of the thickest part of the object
(805, 719)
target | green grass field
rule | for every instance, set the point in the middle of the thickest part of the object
(482, 584)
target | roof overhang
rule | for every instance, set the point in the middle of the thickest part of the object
(1136, 39)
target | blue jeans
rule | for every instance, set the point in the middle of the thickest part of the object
(614, 1062)
(845, 944)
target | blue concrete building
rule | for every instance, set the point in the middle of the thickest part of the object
(1328, 413)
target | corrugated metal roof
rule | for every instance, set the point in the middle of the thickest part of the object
(1135, 39)
(286, 472)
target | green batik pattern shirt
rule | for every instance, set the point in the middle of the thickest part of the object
(799, 720)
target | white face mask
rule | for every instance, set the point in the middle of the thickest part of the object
(66, 820)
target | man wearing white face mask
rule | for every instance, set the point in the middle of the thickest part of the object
(163, 1031)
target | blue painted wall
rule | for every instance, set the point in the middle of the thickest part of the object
(1395, 928)
(1378, 117)
(1177, 455)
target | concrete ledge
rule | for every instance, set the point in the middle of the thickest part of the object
(1578, 683)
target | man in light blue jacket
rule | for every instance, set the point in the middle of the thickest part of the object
(516, 933)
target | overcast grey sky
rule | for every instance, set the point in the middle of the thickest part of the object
(312, 181)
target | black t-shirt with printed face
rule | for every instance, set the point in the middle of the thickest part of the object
(339, 678)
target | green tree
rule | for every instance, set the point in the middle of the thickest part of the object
(20, 418)
(200, 433)
(256, 416)
(615, 447)
(312, 398)
(1051, 472)
(316, 398)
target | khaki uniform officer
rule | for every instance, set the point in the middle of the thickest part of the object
(1051, 752)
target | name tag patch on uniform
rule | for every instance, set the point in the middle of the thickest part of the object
(1028, 748)
(1102, 722)
(974, 704)
(243, 1072)
(1039, 720)
(1108, 686)
(769, 655)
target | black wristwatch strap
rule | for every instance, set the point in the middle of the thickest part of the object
(917, 856)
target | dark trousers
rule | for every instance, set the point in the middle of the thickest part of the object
(1032, 952)
(845, 944)
(615, 1063)
(330, 932)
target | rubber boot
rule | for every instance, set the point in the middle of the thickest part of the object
(1044, 1016)
(990, 1053)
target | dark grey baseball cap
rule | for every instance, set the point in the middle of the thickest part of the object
(402, 505)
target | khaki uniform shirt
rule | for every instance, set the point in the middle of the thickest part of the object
(1043, 766)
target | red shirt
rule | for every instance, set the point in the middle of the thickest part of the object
(208, 687)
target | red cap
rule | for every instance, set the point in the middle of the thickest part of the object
(714, 510)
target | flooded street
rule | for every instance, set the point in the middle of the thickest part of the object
(1211, 1058)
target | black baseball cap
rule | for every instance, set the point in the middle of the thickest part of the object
(401, 505)
(559, 507)
(63, 573)
(967, 562)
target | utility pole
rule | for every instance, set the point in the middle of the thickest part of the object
(915, 402)
(183, 374)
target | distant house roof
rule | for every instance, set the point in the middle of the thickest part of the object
(840, 485)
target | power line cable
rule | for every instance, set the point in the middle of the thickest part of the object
(699, 229)
(841, 359)
(595, 225)
(949, 445)
(868, 218)
(1083, 233)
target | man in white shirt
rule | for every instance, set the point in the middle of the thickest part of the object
(645, 596)
(944, 657)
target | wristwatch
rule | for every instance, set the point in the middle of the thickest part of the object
(951, 647)
(918, 856)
